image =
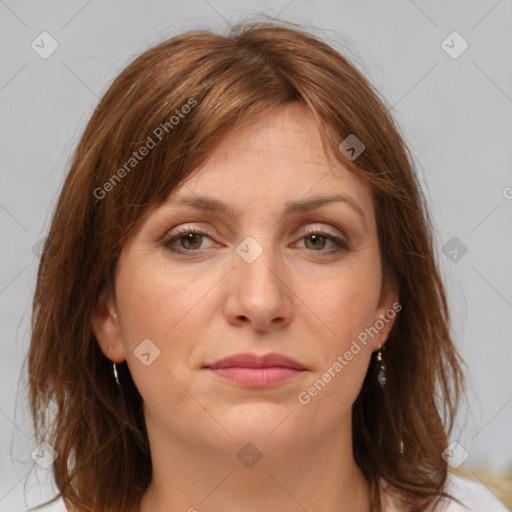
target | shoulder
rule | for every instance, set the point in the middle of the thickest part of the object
(475, 497)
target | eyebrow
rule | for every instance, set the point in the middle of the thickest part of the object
(217, 206)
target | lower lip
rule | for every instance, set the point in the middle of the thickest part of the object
(257, 377)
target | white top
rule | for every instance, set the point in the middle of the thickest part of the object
(475, 496)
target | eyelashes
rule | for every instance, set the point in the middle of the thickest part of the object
(194, 238)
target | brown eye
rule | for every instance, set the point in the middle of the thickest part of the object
(187, 241)
(191, 241)
(324, 243)
(317, 242)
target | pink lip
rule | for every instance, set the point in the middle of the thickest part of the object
(256, 371)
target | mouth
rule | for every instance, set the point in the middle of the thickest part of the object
(256, 371)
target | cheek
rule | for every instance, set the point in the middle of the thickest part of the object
(155, 299)
(346, 303)
(170, 308)
(347, 308)
(162, 306)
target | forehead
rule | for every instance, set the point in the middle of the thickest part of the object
(277, 160)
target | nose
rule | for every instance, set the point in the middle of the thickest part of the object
(258, 293)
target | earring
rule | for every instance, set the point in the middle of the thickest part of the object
(381, 376)
(116, 376)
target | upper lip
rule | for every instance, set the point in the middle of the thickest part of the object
(248, 360)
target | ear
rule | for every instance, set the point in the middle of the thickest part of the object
(107, 329)
(386, 312)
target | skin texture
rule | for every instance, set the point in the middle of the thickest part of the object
(296, 298)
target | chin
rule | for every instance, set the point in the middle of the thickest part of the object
(258, 421)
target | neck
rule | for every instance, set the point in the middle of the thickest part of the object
(315, 474)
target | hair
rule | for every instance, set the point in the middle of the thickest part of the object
(179, 99)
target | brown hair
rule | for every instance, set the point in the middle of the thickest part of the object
(104, 462)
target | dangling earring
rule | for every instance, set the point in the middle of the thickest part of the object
(381, 376)
(116, 376)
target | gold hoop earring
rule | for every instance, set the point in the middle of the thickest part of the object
(116, 376)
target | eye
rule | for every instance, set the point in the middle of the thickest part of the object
(189, 240)
(316, 241)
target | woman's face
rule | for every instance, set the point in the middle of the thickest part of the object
(289, 265)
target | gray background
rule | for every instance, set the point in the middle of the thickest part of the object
(456, 114)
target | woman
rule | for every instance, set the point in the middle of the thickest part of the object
(238, 305)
